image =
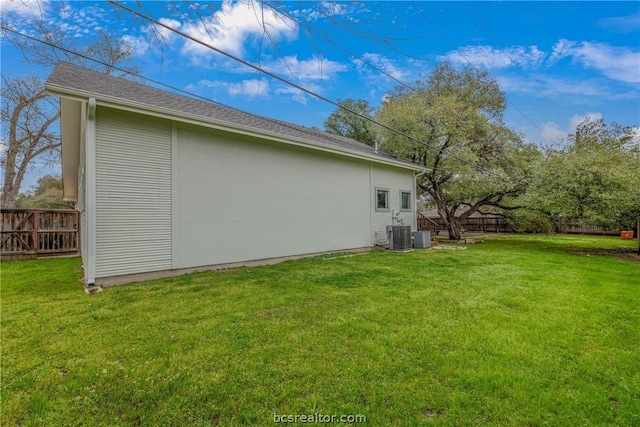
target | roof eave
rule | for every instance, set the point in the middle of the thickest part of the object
(114, 102)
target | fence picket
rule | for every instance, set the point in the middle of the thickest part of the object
(29, 233)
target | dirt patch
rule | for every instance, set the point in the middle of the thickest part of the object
(449, 248)
(621, 253)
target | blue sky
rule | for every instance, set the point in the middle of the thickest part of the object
(557, 62)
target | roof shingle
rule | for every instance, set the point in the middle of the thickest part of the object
(76, 79)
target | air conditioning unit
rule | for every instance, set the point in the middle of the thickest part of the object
(421, 239)
(399, 237)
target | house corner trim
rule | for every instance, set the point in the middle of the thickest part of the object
(90, 182)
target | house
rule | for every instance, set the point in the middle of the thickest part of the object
(167, 184)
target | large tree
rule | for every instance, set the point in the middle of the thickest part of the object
(595, 177)
(358, 126)
(454, 118)
(29, 116)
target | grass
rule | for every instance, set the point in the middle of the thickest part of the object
(518, 331)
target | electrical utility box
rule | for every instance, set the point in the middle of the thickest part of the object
(422, 239)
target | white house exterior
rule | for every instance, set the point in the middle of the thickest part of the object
(166, 183)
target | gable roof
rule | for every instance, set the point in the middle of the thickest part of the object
(71, 81)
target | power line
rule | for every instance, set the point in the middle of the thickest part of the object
(359, 58)
(292, 84)
(339, 46)
(254, 67)
(131, 73)
(257, 68)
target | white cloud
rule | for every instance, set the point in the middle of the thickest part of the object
(232, 26)
(576, 119)
(552, 132)
(24, 8)
(635, 136)
(27, 16)
(618, 63)
(560, 50)
(296, 94)
(383, 63)
(142, 44)
(623, 24)
(334, 9)
(139, 44)
(554, 86)
(325, 9)
(546, 86)
(250, 87)
(166, 33)
(307, 69)
(492, 58)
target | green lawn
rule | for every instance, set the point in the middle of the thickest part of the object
(518, 331)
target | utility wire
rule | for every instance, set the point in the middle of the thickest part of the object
(339, 46)
(359, 58)
(257, 68)
(380, 70)
(159, 83)
(295, 85)
(105, 64)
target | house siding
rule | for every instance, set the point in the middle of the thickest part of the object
(396, 180)
(133, 193)
(238, 200)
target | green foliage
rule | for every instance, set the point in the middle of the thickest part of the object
(473, 159)
(46, 195)
(345, 123)
(521, 330)
(595, 177)
(530, 221)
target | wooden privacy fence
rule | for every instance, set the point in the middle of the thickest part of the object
(28, 233)
(585, 228)
(483, 225)
(488, 225)
(426, 224)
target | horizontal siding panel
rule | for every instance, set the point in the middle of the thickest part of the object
(133, 202)
(141, 258)
(112, 235)
(238, 200)
(150, 164)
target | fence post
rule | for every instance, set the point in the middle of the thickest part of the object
(36, 238)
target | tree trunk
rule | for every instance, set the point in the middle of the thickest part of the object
(9, 198)
(9, 190)
(454, 229)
